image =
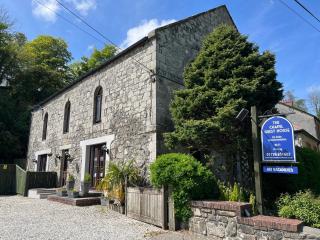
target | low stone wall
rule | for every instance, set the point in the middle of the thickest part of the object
(228, 220)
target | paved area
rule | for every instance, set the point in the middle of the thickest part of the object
(25, 218)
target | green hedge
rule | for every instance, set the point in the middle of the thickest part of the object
(187, 177)
(308, 177)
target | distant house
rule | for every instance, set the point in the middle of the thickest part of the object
(306, 126)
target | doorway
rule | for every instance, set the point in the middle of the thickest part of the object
(97, 164)
(42, 163)
(64, 167)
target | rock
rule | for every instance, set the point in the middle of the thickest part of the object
(216, 229)
(226, 213)
(198, 225)
(231, 229)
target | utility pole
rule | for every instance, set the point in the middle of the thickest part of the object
(256, 158)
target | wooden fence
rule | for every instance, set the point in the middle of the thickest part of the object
(147, 205)
(7, 179)
(21, 178)
(14, 179)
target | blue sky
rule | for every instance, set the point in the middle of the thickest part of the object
(267, 22)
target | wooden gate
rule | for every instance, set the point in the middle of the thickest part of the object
(147, 205)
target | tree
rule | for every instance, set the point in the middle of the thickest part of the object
(79, 68)
(314, 100)
(228, 74)
(296, 102)
(10, 47)
(44, 69)
(33, 71)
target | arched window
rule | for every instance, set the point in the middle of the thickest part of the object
(45, 126)
(66, 119)
(97, 105)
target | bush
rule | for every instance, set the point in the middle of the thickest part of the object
(302, 205)
(70, 177)
(308, 177)
(187, 177)
(87, 178)
(233, 193)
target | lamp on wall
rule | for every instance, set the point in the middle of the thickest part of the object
(34, 160)
(58, 156)
(68, 157)
(105, 149)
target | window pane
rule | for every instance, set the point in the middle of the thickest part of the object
(66, 121)
(98, 109)
(44, 129)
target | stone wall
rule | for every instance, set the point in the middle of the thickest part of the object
(128, 98)
(227, 220)
(135, 102)
(177, 45)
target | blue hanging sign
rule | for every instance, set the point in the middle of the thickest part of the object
(277, 138)
(280, 169)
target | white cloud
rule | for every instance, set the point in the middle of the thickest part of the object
(45, 11)
(136, 33)
(90, 47)
(83, 6)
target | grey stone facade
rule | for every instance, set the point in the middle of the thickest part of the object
(135, 100)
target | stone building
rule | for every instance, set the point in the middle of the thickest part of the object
(118, 111)
(306, 126)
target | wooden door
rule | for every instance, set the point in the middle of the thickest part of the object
(97, 164)
(63, 168)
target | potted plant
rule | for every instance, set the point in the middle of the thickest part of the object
(61, 192)
(104, 187)
(113, 184)
(70, 182)
(73, 193)
(85, 185)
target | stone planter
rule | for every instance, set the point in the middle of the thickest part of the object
(70, 185)
(62, 193)
(85, 188)
(73, 194)
(104, 201)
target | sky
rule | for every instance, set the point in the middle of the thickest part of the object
(268, 23)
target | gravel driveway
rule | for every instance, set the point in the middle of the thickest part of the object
(25, 218)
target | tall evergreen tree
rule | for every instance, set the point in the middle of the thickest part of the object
(228, 74)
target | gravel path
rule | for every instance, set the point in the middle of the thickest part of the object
(25, 218)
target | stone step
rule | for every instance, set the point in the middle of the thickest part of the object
(41, 193)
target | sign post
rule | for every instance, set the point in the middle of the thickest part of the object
(256, 158)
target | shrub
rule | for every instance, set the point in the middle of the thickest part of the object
(302, 205)
(87, 178)
(187, 177)
(233, 193)
(70, 177)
